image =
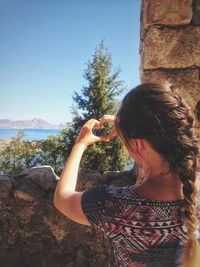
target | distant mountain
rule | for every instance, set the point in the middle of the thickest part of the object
(33, 124)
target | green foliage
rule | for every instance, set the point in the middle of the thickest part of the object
(54, 150)
(49, 152)
(18, 155)
(97, 99)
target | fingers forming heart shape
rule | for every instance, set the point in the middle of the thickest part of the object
(100, 125)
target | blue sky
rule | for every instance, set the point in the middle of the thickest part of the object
(45, 45)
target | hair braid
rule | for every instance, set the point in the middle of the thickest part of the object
(186, 170)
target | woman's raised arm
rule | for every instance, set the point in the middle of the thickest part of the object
(66, 199)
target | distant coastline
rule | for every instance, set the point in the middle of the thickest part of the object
(30, 124)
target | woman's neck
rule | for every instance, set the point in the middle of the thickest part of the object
(168, 187)
(159, 183)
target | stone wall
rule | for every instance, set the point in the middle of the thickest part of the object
(33, 233)
(170, 44)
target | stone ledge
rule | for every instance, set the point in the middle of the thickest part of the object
(177, 48)
(34, 233)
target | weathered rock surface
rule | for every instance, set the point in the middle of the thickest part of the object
(171, 48)
(186, 80)
(196, 13)
(171, 13)
(5, 187)
(33, 233)
(170, 45)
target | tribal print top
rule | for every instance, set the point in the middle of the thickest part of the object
(142, 232)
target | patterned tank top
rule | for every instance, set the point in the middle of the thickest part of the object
(142, 232)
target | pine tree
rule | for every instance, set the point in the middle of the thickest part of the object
(97, 99)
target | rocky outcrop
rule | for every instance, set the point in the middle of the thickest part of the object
(33, 233)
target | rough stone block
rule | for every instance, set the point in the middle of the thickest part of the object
(169, 12)
(186, 81)
(43, 176)
(29, 192)
(167, 48)
(196, 13)
(5, 187)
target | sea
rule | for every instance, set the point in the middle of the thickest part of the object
(29, 134)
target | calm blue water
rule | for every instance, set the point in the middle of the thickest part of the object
(30, 134)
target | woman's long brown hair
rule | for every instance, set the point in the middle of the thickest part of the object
(158, 114)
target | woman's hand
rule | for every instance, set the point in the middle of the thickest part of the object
(86, 136)
(105, 119)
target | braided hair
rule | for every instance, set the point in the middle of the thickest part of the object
(157, 113)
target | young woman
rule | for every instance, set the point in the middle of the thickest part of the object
(156, 222)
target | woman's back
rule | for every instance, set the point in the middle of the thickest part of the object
(142, 232)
